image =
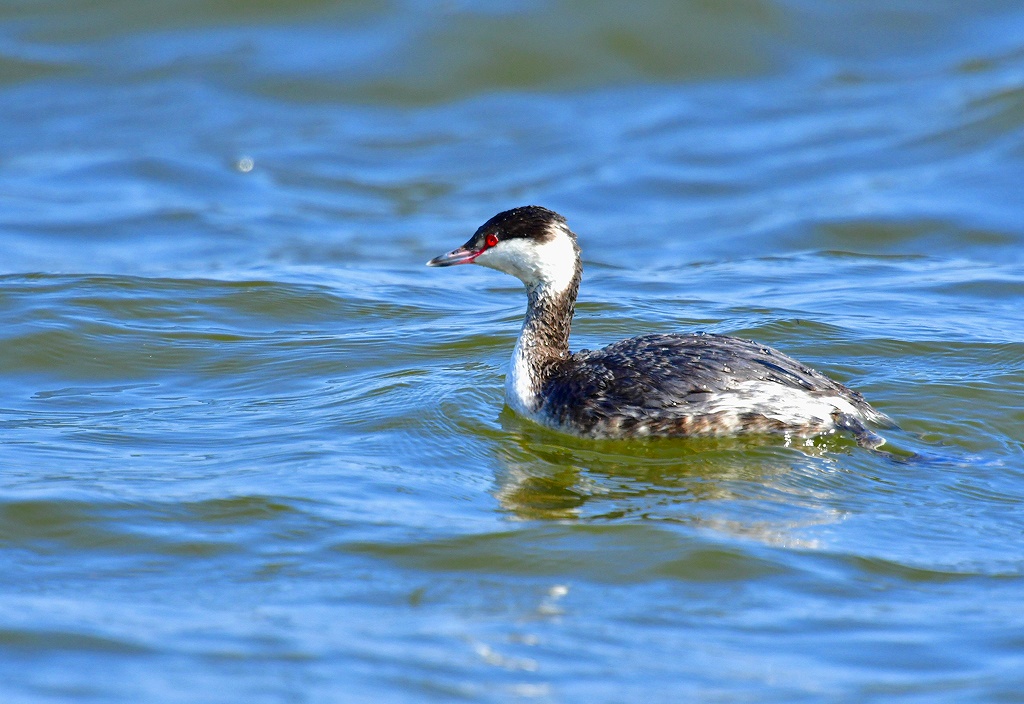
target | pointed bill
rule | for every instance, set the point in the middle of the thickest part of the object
(462, 255)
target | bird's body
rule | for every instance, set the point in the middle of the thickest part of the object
(696, 384)
(654, 385)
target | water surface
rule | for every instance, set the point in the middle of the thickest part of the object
(253, 450)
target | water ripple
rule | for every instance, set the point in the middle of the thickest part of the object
(253, 450)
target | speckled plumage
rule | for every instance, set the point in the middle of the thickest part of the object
(699, 384)
(654, 385)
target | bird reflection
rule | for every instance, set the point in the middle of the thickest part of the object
(764, 488)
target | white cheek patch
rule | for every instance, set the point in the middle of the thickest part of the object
(510, 257)
(552, 263)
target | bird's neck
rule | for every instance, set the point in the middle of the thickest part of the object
(543, 343)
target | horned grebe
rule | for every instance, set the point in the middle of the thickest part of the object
(654, 385)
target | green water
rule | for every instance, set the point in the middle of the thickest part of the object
(254, 451)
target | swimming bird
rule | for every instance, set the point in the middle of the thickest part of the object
(697, 384)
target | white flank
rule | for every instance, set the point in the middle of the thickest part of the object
(793, 407)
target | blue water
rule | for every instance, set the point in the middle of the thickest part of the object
(254, 451)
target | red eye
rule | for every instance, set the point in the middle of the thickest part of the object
(492, 240)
